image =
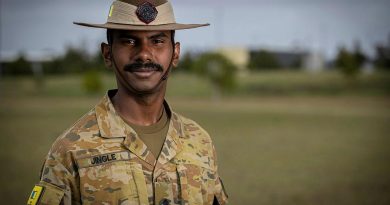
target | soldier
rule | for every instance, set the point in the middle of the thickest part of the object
(131, 148)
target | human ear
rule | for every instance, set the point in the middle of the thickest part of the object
(176, 54)
(106, 54)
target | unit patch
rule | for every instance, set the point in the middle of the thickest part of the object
(35, 195)
(146, 12)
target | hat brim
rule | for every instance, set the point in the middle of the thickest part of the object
(173, 26)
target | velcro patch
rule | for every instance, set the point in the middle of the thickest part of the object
(103, 159)
(35, 195)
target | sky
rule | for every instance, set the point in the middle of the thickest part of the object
(44, 27)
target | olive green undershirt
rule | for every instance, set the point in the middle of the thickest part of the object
(153, 135)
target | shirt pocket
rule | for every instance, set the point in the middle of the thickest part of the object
(197, 183)
(112, 183)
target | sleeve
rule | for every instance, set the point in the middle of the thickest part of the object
(220, 195)
(58, 181)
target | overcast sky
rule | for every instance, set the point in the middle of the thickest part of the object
(45, 26)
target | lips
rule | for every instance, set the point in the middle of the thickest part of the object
(144, 72)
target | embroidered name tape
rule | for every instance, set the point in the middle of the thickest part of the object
(35, 195)
(103, 159)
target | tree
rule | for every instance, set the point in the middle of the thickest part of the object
(97, 62)
(262, 59)
(92, 82)
(20, 66)
(186, 63)
(358, 55)
(347, 63)
(382, 57)
(75, 60)
(217, 68)
(92, 68)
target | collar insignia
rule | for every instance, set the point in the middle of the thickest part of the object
(146, 12)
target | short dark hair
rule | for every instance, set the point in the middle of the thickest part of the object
(110, 36)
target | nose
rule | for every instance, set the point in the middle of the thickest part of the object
(144, 53)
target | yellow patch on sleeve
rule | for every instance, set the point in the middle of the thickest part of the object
(35, 195)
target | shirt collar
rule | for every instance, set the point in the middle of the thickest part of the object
(111, 125)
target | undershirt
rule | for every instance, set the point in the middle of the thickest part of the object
(153, 135)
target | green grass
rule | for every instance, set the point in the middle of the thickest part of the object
(266, 83)
(286, 147)
(301, 150)
(325, 83)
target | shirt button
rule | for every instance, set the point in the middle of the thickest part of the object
(164, 202)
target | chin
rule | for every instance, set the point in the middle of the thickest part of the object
(146, 89)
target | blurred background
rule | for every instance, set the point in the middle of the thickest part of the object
(295, 94)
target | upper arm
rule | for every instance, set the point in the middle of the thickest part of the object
(58, 181)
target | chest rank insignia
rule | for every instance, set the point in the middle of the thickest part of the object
(146, 12)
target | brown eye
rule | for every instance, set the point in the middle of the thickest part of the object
(158, 41)
(128, 41)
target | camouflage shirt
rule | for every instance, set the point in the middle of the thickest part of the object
(101, 160)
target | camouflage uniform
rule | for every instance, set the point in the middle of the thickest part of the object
(101, 160)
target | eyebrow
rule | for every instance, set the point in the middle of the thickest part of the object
(126, 35)
(159, 35)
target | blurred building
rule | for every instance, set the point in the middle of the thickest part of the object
(283, 59)
(313, 61)
(238, 55)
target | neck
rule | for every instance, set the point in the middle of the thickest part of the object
(141, 110)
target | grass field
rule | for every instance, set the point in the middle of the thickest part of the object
(282, 138)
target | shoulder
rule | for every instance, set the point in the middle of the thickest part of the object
(60, 163)
(81, 134)
(197, 144)
(192, 130)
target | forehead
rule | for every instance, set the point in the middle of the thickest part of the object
(141, 34)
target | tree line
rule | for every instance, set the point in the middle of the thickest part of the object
(211, 65)
(76, 60)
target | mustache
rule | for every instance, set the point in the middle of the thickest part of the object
(150, 66)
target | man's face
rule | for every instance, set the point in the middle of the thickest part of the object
(141, 59)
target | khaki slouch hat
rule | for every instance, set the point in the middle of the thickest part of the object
(141, 15)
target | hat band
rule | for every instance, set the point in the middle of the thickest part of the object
(124, 13)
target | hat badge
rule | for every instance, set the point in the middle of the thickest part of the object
(146, 12)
